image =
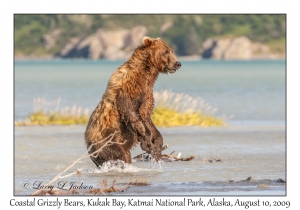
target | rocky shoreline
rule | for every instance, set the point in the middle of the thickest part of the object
(119, 45)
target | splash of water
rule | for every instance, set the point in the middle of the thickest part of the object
(122, 167)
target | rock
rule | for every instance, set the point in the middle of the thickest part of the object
(110, 45)
(66, 50)
(134, 37)
(166, 26)
(281, 181)
(236, 48)
(50, 39)
(213, 48)
(249, 179)
(262, 186)
(259, 48)
(95, 48)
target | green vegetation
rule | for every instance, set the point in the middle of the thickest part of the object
(56, 118)
(178, 109)
(278, 45)
(162, 116)
(172, 109)
(185, 32)
(47, 113)
(168, 117)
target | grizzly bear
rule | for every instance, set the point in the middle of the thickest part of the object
(127, 104)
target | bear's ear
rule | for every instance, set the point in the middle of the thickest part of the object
(147, 41)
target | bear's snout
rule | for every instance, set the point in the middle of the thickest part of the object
(177, 65)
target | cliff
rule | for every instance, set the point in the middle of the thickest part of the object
(119, 44)
(106, 44)
(107, 36)
(236, 48)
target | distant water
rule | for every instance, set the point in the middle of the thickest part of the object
(252, 91)
(253, 143)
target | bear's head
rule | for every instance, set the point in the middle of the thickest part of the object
(160, 55)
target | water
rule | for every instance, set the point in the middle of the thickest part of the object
(253, 143)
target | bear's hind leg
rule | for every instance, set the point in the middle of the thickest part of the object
(117, 152)
(112, 152)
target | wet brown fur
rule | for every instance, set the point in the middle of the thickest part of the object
(128, 103)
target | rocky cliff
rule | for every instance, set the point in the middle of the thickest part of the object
(105, 44)
(119, 44)
(236, 48)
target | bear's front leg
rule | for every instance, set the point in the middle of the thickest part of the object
(129, 113)
(156, 141)
(153, 147)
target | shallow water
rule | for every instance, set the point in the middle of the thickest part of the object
(252, 144)
(42, 152)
